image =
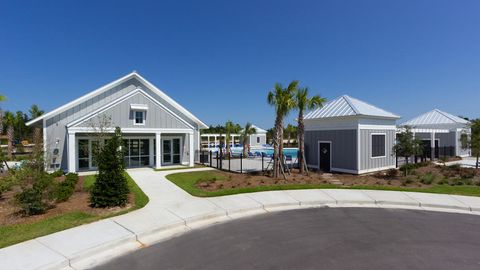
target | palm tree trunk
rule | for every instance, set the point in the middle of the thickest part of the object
(301, 142)
(10, 141)
(280, 144)
(276, 147)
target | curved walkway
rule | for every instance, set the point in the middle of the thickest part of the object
(172, 211)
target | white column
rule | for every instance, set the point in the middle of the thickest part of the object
(214, 140)
(192, 150)
(158, 160)
(150, 150)
(432, 144)
(72, 156)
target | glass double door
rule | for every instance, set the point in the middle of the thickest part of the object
(87, 149)
(136, 152)
(171, 151)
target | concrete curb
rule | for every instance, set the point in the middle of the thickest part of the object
(92, 244)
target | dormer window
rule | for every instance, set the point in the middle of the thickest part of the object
(139, 117)
(139, 113)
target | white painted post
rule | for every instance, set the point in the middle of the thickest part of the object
(158, 160)
(72, 157)
(192, 150)
(151, 157)
(432, 144)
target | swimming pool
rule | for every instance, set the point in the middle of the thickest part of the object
(286, 151)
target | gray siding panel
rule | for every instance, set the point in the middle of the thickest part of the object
(344, 147)
(156, 116)
(366, 160)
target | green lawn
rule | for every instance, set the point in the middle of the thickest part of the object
(13, 234)
(188, 181)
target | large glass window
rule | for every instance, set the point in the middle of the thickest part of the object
(83, 154)
(378, 145)
(136, 152)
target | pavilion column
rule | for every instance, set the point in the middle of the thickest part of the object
(432, 144)
(191, 162)
(151, 158)
(158, 158)
(72, 155)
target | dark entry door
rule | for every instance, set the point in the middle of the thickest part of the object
(324, 149)
(427, 149)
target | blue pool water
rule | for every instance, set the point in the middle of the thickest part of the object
(286, 151)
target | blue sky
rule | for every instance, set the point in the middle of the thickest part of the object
(220, 58)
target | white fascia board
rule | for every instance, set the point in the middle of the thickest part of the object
(132, 130)
(379, 127)
(429, 130)
(120, 100)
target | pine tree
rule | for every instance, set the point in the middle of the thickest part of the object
(111, 187)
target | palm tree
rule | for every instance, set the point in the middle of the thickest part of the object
(246, 132)
(35, 111)
(9, 120)
(230, 128)
(2, 98)
(282, 99)
(304, 102)
(289, 131)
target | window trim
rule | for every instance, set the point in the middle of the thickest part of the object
(135, 117)
(384, 134)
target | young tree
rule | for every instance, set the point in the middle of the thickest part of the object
(304, 102)
(407, 145)
(282, 99)
(473, 141)
(111, 186)
(246, 132)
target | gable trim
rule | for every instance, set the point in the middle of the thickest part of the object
(120, 100)
(111, 85)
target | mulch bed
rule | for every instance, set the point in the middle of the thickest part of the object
(79, 202)
(228, 180)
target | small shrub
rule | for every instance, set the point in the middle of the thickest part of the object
(427, 179)
(443, 182)
(454, 167)
(392, 173)
(66, 188)
(35, 198)
(57, 173)
(467, 173)
(409, 181)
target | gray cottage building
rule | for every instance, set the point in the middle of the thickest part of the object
(349, 135)
(440, 132)
(157, 131)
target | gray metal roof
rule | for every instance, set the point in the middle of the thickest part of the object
(434, 117)
(348, 106)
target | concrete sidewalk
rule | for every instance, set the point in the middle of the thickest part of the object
(172, 211)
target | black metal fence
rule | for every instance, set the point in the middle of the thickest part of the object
(259, 162)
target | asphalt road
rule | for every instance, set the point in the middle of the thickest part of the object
(322, 238)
